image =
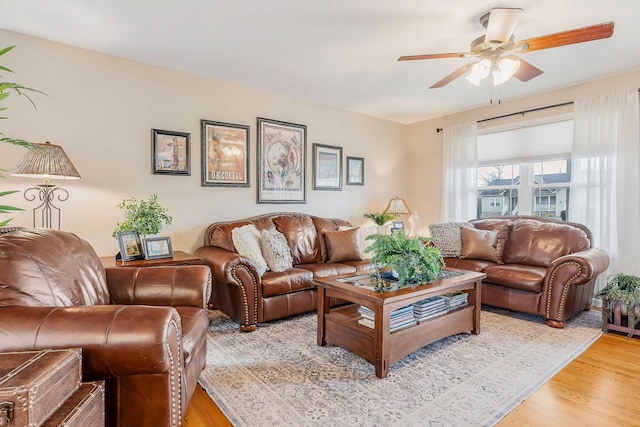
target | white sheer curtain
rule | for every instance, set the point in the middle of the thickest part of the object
(460, 164)
(605, 185)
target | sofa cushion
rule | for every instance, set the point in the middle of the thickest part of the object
(343, 245)
(302, 237)
(446, 237)
(275, 250)
(479, 244)
(247, 241)
(516, 276)
(360, 265)
(539, 243)
(468, 264)
(321, 270)
(284, 282)
(502, 227)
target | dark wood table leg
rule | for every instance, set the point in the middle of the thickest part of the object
(323, 309)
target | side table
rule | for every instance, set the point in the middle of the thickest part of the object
(179, 258)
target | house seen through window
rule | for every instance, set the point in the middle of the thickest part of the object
(525, 171)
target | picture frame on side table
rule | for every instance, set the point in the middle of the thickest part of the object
(225, 154)
(170, 152)
(327, 167)
(130, 247)
(355, 170)
(282, 156)
(157, 247)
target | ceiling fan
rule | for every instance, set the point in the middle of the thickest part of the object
(495, 50)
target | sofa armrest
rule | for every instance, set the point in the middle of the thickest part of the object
(187, 285)
(116, 340)
(237, 286)
(576, 269)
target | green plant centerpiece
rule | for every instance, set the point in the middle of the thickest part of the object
(6, 89)
(412, 258)
(380, 218)
(144, 216)
(624, 288)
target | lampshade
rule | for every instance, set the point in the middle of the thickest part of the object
(50, 161)
(504, 70)
(397, 206)
(479, 71)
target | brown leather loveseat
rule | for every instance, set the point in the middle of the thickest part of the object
(142, 330)
(540, 266)
(319, 247)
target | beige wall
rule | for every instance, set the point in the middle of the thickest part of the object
(101, 110)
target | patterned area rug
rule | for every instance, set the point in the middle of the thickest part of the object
(279, 376)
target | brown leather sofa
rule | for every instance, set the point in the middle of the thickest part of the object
(250, 298)
(142, 330)
(544, 267)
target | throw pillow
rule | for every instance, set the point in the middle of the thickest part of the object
(446, 237)
(479, 244)
(343, 245)
(276, 250)
(246, 239)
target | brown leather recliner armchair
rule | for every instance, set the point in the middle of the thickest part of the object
(142, 330)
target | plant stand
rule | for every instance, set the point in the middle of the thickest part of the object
(617, 321)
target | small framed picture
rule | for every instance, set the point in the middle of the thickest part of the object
(355, 170)
(398, 226)
(157, 247)
(130, 247)
(225, 154)
(171, 152)
(327, 167)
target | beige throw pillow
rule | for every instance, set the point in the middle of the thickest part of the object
(276, 250)
(246, 239)
(479, 244)
(343, 245)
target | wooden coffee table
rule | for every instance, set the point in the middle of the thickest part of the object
(379, 346)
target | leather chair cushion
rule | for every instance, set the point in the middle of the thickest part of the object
(343, 245)
(320, 270)
(516, 276)
(194, 324)
(539, 244)
(284, 282)
(479, 244)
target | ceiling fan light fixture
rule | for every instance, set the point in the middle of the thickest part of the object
(504, 70)
(479, 71)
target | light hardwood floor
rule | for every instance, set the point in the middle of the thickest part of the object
(598, 388)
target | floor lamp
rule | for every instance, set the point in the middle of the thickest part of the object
(48, 162)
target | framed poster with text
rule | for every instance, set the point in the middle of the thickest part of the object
(225, 154)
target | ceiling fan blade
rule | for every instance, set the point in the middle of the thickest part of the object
(526, 71)
(451, 77)
(578, 35)
(433, 56)
(502, 22)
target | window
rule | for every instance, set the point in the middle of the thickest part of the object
(536, 183)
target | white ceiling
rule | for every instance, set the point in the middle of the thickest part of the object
(340, 53)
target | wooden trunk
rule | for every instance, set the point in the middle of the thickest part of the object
(34, 384)
(84, 408)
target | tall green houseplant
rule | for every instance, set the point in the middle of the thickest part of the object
(144, 216)
(6, 89)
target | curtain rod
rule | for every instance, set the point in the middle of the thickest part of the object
(521, 112)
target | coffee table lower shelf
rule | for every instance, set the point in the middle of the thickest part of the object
(343, 329)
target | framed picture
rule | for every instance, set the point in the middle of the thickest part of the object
(398, 226)
(157, 247)
(327, 167)
(171, 152)
(130, 247)
(282, 155)
(355, 170)
(225, 154)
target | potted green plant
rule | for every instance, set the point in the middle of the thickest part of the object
(6, 88)
(380, 219)
(144, 216)
(623, 290)
(413, 259)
